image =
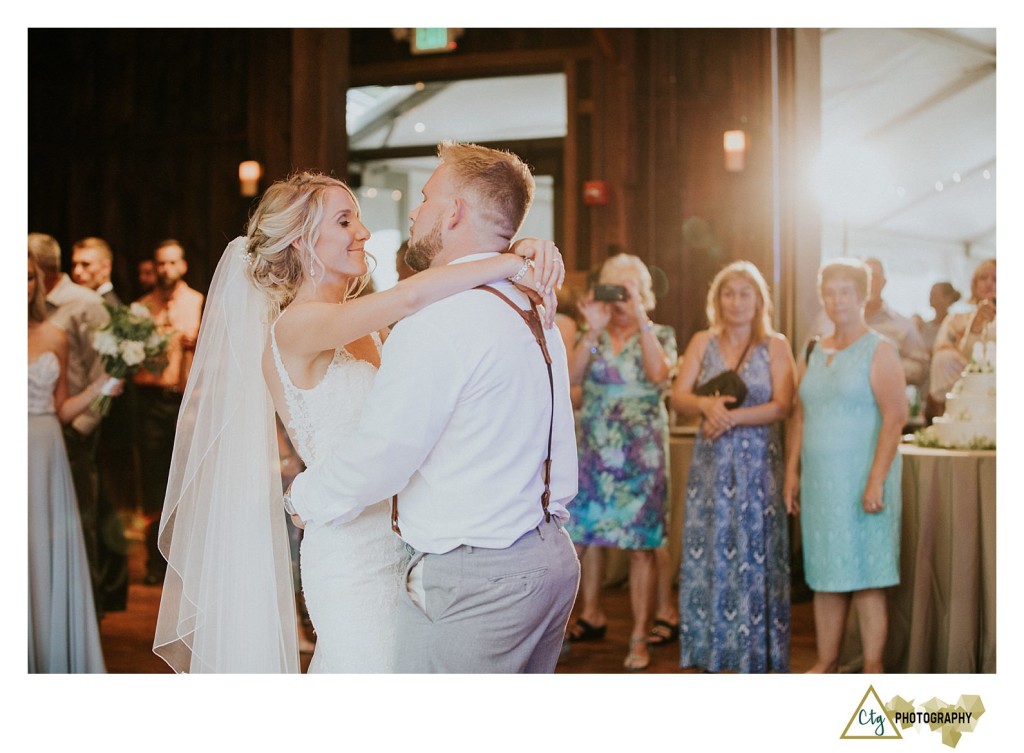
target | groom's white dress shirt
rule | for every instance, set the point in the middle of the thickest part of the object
(457, 425)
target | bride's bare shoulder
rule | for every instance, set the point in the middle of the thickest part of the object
(300, 319)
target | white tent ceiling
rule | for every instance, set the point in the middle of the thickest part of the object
(909, 134)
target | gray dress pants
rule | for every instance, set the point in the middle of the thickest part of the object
(490, 610)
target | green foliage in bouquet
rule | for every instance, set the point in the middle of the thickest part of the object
(128, 342)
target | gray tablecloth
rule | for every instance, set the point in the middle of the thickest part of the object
(942, 615)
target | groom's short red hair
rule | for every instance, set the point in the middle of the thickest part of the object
(500, 182)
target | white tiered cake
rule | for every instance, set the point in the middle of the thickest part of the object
(970, 417)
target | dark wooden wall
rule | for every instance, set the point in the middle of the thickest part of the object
(692, 86)
(136, 135)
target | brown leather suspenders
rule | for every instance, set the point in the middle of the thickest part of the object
(532, 319)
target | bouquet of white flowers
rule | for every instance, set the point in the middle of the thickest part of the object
(128, 342)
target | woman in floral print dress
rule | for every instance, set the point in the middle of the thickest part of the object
(623, 361)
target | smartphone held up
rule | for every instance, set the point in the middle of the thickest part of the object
(610, 293)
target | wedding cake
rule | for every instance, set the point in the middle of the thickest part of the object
(970, 417)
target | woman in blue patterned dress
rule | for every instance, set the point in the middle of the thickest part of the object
(623, 360)
(734, 581)
(842, 461)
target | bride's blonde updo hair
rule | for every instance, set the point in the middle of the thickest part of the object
(282, 233)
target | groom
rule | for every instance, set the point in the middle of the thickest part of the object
(458, 425)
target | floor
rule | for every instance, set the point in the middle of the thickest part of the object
(128, 636)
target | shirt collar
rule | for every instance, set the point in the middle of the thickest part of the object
(55, 292)
(474, 257)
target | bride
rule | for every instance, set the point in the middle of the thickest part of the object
(283, 331)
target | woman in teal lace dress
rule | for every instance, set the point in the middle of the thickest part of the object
(734, 580)
(843, 470)
(623, 361)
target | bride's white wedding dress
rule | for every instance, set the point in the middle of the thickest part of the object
(351, 572)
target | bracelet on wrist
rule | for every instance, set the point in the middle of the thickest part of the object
(286, 499)
(647, 326)
(527, 266)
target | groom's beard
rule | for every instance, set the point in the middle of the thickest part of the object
(421, 251)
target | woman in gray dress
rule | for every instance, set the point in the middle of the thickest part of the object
(63, 634)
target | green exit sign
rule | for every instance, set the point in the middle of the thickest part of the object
(431, 40)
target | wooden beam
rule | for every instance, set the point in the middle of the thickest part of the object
(319, 84)
(518, 146)
(457, 67)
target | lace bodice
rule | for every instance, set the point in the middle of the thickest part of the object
(42, 378)
(318, 416)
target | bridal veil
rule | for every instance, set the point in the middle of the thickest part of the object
(228, 602)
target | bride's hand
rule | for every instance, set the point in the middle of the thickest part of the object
(550, 271)
(298, 522)
(530, 285)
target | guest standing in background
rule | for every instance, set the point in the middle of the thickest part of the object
(843, 469)
(292, 466)
(623, 361)
(734, 581)
(91, 264)
(940, 298)
(177, 309)
(565, 320)
(63, 634)
(956, 338)
(79, 311)
(914, 356)
(146, 279)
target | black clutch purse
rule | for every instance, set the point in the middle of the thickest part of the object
(727, 383)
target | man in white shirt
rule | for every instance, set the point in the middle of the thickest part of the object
(92, 262)
(91, 267)
(458, 424)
